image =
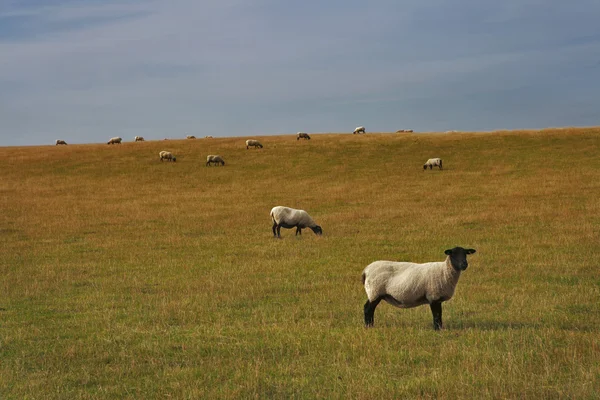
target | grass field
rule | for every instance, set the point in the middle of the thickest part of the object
(124, 277)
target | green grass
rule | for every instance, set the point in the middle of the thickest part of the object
(125, 277)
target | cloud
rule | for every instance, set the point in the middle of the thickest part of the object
(260, 67)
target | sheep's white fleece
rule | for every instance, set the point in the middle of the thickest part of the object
(410, 284)
(115, 140)
(434, 162)
(253, 142)
(214, 159)
(290, 217)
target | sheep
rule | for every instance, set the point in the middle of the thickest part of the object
(58, 141)
(208, 137)
(216, 159)
(359, 129)
(139, 139)
(288, 218)
(407, 285)
(254, 143)
(433, 162)
(302, 135)
(167, 155)
(115, 140)
(190, 137)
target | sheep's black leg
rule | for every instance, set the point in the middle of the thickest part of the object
(274, 226)
(298, 231)
(279, 231)
(370, 311)
(436, 310)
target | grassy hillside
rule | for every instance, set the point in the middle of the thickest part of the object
(124, 277)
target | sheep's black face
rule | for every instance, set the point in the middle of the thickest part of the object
(317, 230)
(458, 257)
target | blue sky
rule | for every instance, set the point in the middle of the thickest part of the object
(87, 70)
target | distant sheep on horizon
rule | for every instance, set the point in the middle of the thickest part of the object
(115, 140)
(253, 143)
(190, 137)
(58, 141)
(302, 135)
(139, 138)
(359, 129)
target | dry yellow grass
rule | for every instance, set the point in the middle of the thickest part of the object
(125, 277)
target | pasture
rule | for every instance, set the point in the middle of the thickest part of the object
(124, 277)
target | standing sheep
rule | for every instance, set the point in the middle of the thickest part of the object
(359, 129)
(190, 137)
(253, 143)
(433, 162)
(407, 285)
(58, 141)
(139, 139)
(288, 218)
(302, 135)
(115, 140)
(216, 159)
(167, 155)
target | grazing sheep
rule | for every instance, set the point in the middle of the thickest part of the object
(407, 285)
(408, 130)
(167, 155)
(302, 135)
(288, 218)
(433, 162)
(115, 140)
(216, 159)
(190, 137)
(139, 139)
(208, 137)
(254, 143)
(58, 141)
(359, 129)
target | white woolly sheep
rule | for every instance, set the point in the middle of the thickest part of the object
(167, 155)
(190, 137)
(208, 137)
(115, 140)
(433, 162)
(288, 218)
(359, 129)
(139, 138)
(407, 285)
(58, 141)
(215, 159)
(302, 135)
(253, 143)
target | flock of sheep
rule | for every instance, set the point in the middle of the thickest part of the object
(401, 284)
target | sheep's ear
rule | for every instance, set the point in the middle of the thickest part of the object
(448, 252)
(469, 251)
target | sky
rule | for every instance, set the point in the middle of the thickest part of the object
(87, 70)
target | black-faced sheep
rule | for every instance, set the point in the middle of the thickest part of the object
(214, 159)
(302, 135)
(359, 129)
(286, 217)
(115, 140)
(190, 137)
(58, 141)
(139, 139)
(253, 143)
(166, 155)
(407, 285)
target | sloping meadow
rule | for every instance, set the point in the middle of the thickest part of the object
(125, 277)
